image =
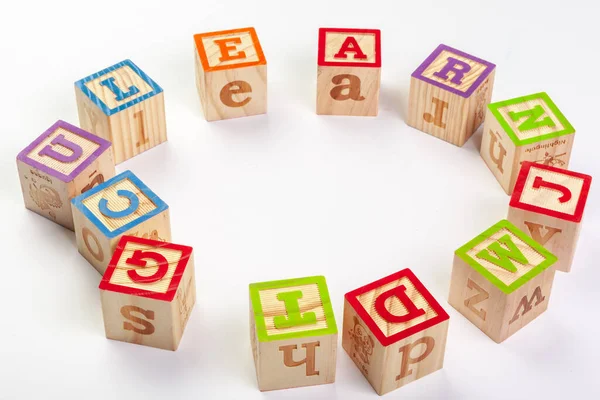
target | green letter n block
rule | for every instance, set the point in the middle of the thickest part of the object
(292, 308)
(506, 256)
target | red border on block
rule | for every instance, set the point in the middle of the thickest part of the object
(515, 200)
(352, 298)
(169, 295)
(321, 56)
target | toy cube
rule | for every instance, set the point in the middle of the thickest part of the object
(122, 104)
(231, 74)
(120, 206)
(348, 71)
(394, 331)
(148, 292)
(293, 333)
(548, 203)
(529, 128)
(62, 163)
(448, 94)
(501, 280)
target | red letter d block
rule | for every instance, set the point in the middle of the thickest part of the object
(394, 331)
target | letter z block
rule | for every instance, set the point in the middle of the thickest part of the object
(501, 280)
(529, 128)
(348, 71)
(448, 94)
(124, 105)
(62, 163)
(231, 74)
(120, 206)
(394, 331)
(293, 333)
(548, 203)
(148, 292)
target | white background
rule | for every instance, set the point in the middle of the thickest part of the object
(290, 194)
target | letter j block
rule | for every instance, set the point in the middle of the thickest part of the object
(231, 74)
(529, 128)
(121, 206)
(62, 163)
(293, 333)
(448, 94)
(348, 71)
(148, 292)
(124, 105)
(501, 280)
(394, 331)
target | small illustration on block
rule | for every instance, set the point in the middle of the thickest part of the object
(231, 74)
(148, 292)
(124, 105)
(293, 333)
(394, 331)
(121, 206)
(348, 71)
(501, 280)
(62, 163)
(548, 204)
(529, 128)
(448, 94)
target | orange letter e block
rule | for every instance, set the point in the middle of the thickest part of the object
(231, 74)
(394, 331)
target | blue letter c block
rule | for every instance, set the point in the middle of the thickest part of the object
(134, 202)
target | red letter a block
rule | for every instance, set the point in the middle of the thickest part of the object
(394, 331)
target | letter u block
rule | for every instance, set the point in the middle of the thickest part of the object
(501, 280)
(448, 94)
(231, 74)
(293, 333)
(62, 163)
(394, 331)
(529, 128)
(348, 71)
(148, 292)
(124, 105)
(548, 203)
(120, 206)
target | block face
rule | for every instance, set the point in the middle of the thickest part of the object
(531, 119)
(293, 333)
(506, 256)
(118, 87)
(235, 48)
(349, 47)
(551, 191)
(396, 307)
(454, 71)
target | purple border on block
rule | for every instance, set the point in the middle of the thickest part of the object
(103, 145)
(419, 71)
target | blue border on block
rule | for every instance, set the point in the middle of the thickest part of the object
(110, 111)
(160, 205)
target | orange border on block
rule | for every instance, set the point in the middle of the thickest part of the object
(202, 51)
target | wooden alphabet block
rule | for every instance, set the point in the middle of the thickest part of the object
(62, 163)
(148, 292)
(120, 206)
(348, 71)
(293, 333)
(548, 204)
(529, 128)
(124, 105)
(501, 280)
(231, 74)
(394, 331)
(448, 94)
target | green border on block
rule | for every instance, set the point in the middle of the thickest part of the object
(508, 289)
(494, 107)
(259, 319)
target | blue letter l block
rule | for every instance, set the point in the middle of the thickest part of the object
(119, 94)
